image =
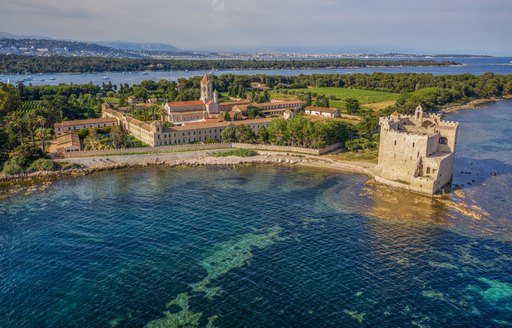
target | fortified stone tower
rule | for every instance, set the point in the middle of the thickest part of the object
(417, 151)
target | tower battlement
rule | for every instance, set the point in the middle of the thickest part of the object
(417, 150)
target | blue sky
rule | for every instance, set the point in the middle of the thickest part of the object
(428, 26)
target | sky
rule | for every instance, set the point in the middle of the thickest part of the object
(418, 26)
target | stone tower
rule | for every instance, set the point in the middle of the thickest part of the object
(206, 89)
(416, 152)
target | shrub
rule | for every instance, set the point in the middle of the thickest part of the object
(83, 133)
(14, 165)
(240, 152)
(43, 165)
(360, 144)
(69, 166)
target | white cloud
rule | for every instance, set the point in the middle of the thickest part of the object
(439, 25)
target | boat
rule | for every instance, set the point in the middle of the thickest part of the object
(106, 78)
(42, 80)
(145, 73)
(52, 79)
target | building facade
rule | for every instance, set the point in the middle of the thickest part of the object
(417, 151)
(322, 111)
(196, 110)
(155, 133)
(70, 126)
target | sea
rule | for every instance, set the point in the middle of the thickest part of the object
(476, 66)
(265, 246)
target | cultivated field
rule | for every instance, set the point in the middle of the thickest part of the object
(375, 100)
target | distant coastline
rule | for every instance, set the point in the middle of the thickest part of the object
(59, 64)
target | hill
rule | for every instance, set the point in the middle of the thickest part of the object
(139, 46)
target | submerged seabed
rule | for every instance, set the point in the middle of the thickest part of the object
(259, 247)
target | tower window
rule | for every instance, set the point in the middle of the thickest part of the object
(443, 141)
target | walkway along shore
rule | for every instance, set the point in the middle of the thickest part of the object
(90, 165)
(39, 181)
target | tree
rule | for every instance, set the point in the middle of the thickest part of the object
(308, 99)
(140, 93)
(278, 132)
(369, 124)
(9, 100)
(118, 137)
(262, 135)
(352, 105)
(229, 134)
(266, 96)
(43, 134)
(244, 134)
(322, 101)
(92, 141)
(253, 112)
(123, 102)
(227, 117)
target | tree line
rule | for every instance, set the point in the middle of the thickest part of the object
(10, 64)
(297, 131)
(25, 130)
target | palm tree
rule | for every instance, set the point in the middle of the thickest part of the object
(15, 125)
(43, 134)
(163, 114)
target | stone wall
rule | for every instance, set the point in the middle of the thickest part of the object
(309, 151)
(161, 149)
(197, 147)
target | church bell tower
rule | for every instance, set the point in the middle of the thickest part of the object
(206, 89)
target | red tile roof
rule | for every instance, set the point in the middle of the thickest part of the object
(88, 121)
(185, 103)
(322, 109)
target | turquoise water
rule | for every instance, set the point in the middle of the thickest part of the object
(262, 247)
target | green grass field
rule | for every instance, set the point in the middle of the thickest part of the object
(365, 156)
(367, 98)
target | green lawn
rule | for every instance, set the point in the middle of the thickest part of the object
(364, 156)
(365, 97)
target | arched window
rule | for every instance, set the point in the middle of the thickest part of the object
(443, 141)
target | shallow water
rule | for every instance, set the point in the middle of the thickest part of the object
(262, 247)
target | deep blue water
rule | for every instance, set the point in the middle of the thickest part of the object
(262, 247)
(477, 66)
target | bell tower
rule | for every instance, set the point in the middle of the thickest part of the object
(206, 89)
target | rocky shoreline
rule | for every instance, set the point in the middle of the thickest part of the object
(23, 183)
(40, 181)
(474, 104)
